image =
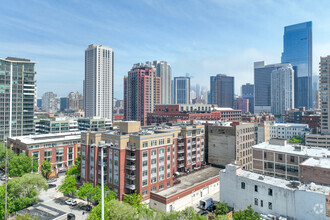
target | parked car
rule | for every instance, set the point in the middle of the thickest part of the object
(86, 208)
(52, 180)
(71, 216)
(71, 202)
(51, 186)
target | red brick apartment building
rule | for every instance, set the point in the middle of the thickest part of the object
(141, 93)
(143, 159)
(60, 149)
(186, 112)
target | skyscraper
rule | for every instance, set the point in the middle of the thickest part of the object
(142, 89)
(98, 83)
(64, 103)
(198, 90)
(181, 90)
(297, 50)
(282, 90)
(248, 93)
(222, 90)
(325, 94)
(50, 103)
(164, 71)
(262, 85)
(17, 91)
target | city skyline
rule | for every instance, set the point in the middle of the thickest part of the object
(202, 40)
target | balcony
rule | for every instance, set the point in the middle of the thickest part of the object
(130, 177)
(194, 142)
(131, 148)
(181, 151)
(130, 167)
(194, 149)
(180, 158)
(130, 186)
(181, 165)
(131, 157)
(180, 144)
(180, 137)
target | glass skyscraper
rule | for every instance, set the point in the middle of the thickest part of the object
(181, 90)
(222, 90)
(297, 50)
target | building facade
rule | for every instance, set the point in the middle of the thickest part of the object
(242, 104)
(222, 89)
(229, 143)
(98, 83)
(142, 91)
(271, 197)
(282, 90)
(64, 104)
(298, 50)
(164, 71)
(142, 160)
(325, 94)
(288, 130)
(93, 124)
(17, 95)
(75, 101)
(56, 125)
(181, 90)
(60, 149)
(50, 102)
(248, 93)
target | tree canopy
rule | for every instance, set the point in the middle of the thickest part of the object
(69, 185)
(46, 168)
(248, 213)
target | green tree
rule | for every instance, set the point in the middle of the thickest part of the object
(21, 164)
(134, 199)
(69, 185)
(190, 213)
(46, 168)
(221, 208)
(297, 140)
(114, 209)
(249, 213)
(75, 170)
(3, 150)
(86, 191)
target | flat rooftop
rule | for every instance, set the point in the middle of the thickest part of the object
(191, 180)
(282, 183)
(320, 162)
(290, 125)
(45, 138)
(291, 149)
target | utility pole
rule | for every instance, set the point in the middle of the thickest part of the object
(6, 179)
(101, 145)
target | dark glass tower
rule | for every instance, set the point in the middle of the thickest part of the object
(181, 90)
(297, 50)
(222, 90)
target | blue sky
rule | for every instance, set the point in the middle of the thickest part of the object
(202, 38)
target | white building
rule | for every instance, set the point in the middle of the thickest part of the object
(164, 70)
(98, 83)
(271, 196)
(288, 130)
(50, 102)
(282, 89)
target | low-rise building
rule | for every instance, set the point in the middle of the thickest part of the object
(279, 159)
(288, 130)
(60, 149)
(261, 132)
(229, 142)
(93, 124)
(56, 125)
(187, 191)
(318, 140)
(313, 121)
(273, 197)
(141, 159)
(315, 170)
(259, 117)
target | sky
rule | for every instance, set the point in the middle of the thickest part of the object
(198, 37)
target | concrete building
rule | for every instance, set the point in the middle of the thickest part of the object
(187, 112)
(294, 115)
(242, 104)
(56, 125)
(98, 83)
(60, 149)
(316, 170)
(258, 117)
(261, 132)
(181, 90)
(50, 102)
(94, 124)
(288, 130)
(272, 197)
(75, 101)
(142, 159)
(222, 89)
(164, 71)
(142, 89)
(192, 96)
(325, 94)
(318, 140)
(17, 96)
(279, 159)
(282, 90)
(188, 191)
(313, 121)
(230, 142)
(248, 93)
(262, 84)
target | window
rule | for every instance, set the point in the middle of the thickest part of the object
(161, 151)
(168, 149)
(270, 206)
(145, 182)
(145, 173)
(145, 143)
(255, 201)
(153, 189)
(153, 142)
(153, 152)
(261, 203)
(265, 154)
(48, 155)
(161, 141)
(161, 186)
(145, 154)
(153, 161)
(270, 192)
(145, 163)
(153, 170)
(168, 184)
(280, 157)
(292, 159)
(242, 185)
(153, 179)
(168, 140)
(144, 192)
(255, 188)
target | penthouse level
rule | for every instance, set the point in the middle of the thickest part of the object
(183, 112)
